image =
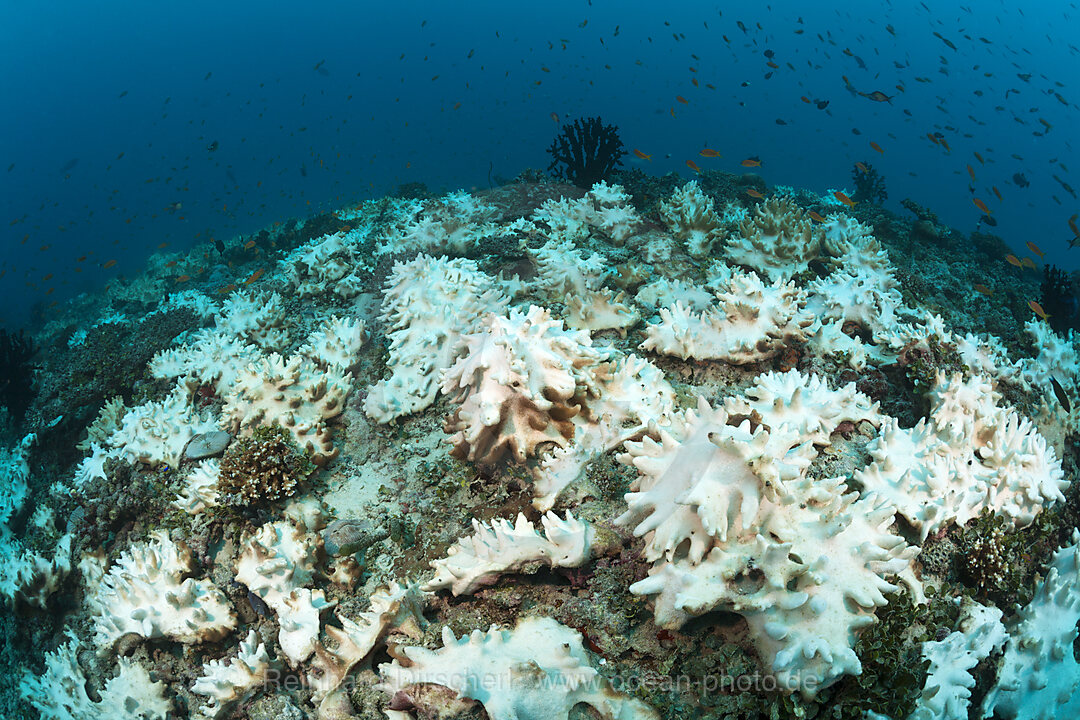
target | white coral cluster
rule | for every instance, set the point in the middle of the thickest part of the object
(520, 380)
(277, 564)
(226, 684)
(690, 216)
(605, 207)
(453, 223)
(732, 521)
(157, 432)
(335, 343)
(60, 692)
(331, 263)
(971, 455)
(779, 240)
(146, 592)
(430, 304)
(751, 321)
(501, 546)
(538, 669)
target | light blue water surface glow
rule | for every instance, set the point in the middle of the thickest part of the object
(316, 105)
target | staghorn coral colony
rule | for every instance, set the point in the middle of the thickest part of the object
(630, 452)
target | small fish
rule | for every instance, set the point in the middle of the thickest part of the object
(709, 153)
(755, 194)
(693, 166)
(876, 147)
(249, 244)
(971, 172)
(1059, 393)
(212, 146)
(1037, 309)
(816, 217)
(220, 246)
(844, 198)
(998, 193)
(171, 263)
(555, 117)
(983, 289)
(1027, 262)
(878, 96)
(981, 205)
(183, 278)
(751, 162)
(109, 264)
(1072, 225)
(979, 158)
(805, 99)
(1035, 249)
(681, 99)
(642, 155)
(1013, 260)
(254, 276)
(862, 168)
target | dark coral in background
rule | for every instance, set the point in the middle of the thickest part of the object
(586, 152)
(16, 379)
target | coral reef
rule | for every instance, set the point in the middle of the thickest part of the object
(264, 467)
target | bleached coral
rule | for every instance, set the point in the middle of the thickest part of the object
(1039, 677)
(209, 357)
(733, 522)
(563, 270)
(971, 455)
(429, 305)
(396, 608)
(60, 692)
(29, 578)
(331, 263)
(257, 317)
(335, 343)
(277, 564)
(294, 393)
(500, 547)
(663, 292)
(145, 592)
(690, 216)
(452, 223)
(157, 432)
(539, 669)
(14, 474)
(105, 424)
(604, 207)
(227, 684)
(870, 298)
(601, 310)
(778, 240)
(751, 322)
(193, 300)
(521, 379)
(200, 488)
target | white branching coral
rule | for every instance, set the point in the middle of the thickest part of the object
(156, 433)
(605, 207)
(663, 292)
(277, 564)
(200, 488)
(521, 379)
(398, 608)
(690, 216)
(732, 522)
(453, 223)
(294, 393)
(537, 670)
(145, 592)
(258, 317)
(331, 263)
(751, 322)
(601, 310)
(210, 357)
(335, 343)
(868, 297)
(60, 693)
(226, 684)
(778, 240)
(1039, 678)
(429, 305)
(971, 455)
(501, 546)
(14, 474)
(105, 424)
(26, 576)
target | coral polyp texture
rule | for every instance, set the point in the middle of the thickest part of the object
(664, 450)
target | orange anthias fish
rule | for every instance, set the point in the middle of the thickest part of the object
(755, 194)
(693, 166)
(642, 155)
(1035, 249)
(249, 244)
(1073, 227)
(109, 264)
(981, 205)
(862, 168)
(681, 99)
(709, 153)
(971, 172)
(816, 217)
(1027, 262)
(983, 289)
(254, 276)
(1037, 309)
(554, 117)
(844, 198)
(751, 162)
(1012, 260)
(183, 278)
(876, 147)
(979, 157)
(998, 193)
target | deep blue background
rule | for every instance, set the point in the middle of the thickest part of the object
(368, 119)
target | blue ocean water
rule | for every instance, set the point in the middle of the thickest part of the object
(130, 125)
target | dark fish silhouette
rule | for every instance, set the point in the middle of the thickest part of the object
(1059, 393)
